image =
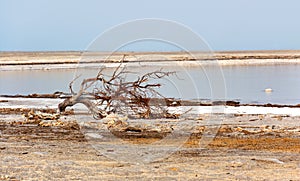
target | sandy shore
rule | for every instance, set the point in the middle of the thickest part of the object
(246, 146)
(63, 60)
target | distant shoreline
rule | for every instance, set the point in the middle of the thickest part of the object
(46, 60)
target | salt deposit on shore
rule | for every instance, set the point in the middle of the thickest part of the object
(44, 103)
(71, 60)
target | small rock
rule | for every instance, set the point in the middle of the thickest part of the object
(94, 135)
(268, 90)
(239, 129)
(3, 140)
(155, 130)
(261, 116)
(236, 164)
(273, 160)
(40, 153)
(174, 169)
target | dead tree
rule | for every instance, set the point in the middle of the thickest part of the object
(104, 95)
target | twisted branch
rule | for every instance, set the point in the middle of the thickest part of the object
(118, 95)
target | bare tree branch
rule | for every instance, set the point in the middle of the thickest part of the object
(115, 94)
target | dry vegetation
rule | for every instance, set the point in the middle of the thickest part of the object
(118, 95)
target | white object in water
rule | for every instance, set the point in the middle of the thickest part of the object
(268, 90)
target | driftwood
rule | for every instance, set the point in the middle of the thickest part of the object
(137, 98)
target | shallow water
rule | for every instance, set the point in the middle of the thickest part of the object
(243, 83)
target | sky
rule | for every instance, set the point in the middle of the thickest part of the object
(61, 25)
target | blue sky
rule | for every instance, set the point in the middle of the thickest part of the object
(39, 25)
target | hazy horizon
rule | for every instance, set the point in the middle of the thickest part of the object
(35, 25)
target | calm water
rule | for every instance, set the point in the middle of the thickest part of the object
(243, 83)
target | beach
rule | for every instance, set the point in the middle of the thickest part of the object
(248, 141)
